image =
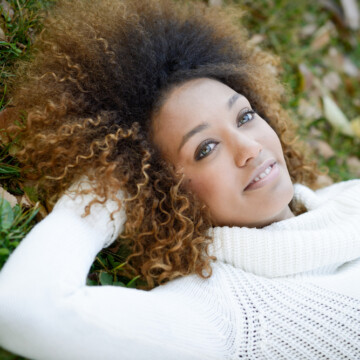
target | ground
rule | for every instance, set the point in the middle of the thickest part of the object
(317, 46)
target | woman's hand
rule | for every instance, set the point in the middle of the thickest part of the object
(104, 217)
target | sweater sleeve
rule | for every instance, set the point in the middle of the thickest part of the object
(47, 312)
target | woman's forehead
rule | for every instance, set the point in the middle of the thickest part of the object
(194, 104)
(197, 99)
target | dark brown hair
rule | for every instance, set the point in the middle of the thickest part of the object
(99, 71)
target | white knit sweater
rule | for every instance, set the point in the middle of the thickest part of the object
(288, 291)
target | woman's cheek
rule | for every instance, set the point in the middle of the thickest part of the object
(201, 186)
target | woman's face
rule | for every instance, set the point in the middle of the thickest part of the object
(231, 158)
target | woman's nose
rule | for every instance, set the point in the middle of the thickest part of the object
(245, 149)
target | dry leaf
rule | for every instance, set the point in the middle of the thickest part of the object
(215, 2)
(315, 95)
(350, 68)
(7, 196)
(355, 125)
(309, 17)
(307, 30)
(307, 77)
(350, 87)
(332, 81)
(323, 36)
(7, 9)
(21, 46)
(351, 12)
(2, 35)
(331, 7)
(314, 132)
(341, 63)
(334, 59)
(353, 164)
(309, 110)
(322, 148)
(42, 212)
(356, 102)
(256, 39)
(336, 117)
(323, 181)
(24, 201)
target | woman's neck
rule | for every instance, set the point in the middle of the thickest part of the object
(286, 213)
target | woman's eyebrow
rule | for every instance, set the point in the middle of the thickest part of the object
(192, 132)
(203, 126)
(232, 100)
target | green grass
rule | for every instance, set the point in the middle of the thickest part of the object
(280, 23)
(19, 29)
(15, 223)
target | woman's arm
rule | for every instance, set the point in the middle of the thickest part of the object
(47, 312)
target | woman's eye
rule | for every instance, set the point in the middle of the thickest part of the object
(246, 116)
(204, 150)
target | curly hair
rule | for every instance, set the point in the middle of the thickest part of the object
(100, 70)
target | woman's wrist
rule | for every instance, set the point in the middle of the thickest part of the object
(103, 217)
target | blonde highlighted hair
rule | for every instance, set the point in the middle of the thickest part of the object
(100, 70)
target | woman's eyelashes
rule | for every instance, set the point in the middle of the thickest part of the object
(245, 115)
(205, 149)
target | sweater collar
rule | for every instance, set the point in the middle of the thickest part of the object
(327, 234)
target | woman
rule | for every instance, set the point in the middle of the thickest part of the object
(147, 113)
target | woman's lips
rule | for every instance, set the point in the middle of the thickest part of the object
(268, 178)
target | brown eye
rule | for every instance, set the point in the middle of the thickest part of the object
(246, 116)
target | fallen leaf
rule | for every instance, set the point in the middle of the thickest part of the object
(2, 35)
(332, 81)
(355, 125)
(314, 94)
(21, 46)
(335, 12)
(307, 30)
(309, 110)
(323, 181)
(350, 87)
(322, 148)
(356, 102)
(341, 63)
(7, 9)
(307, 77)
(314, 132)
(334, 59)
(42, 212)
(336, 117)
(7, 196)
(256, 39)
(24, 202)
(350, 68)
(351, 12)
(323, 36)
(309, 17)
(31, 34)
(353, 164)
(215, 2)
